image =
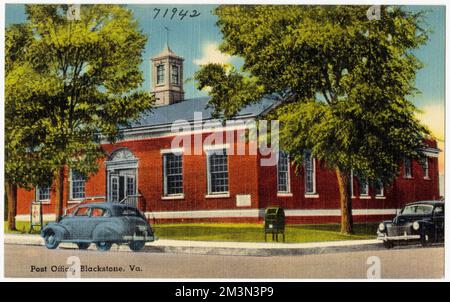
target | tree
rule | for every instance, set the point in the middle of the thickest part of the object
(80, 78)
(342, 82)
(24, 165)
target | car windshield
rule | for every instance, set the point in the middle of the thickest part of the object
(418, 209)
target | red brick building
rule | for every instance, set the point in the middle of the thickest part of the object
(191, 176)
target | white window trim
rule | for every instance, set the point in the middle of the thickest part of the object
(176, 151)
(427, 176)
(288, 180)
(314, 193)
(43, 201)
(208, 152)
(172, 150)
(352, 189)
(172, 196)
(216, 147)
(71, 198)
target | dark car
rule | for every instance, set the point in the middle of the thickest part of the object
(100, 223)
(421, 221)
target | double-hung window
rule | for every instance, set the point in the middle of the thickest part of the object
(160, 74)
(43, 194)
(77, 185)
(407, 166)
(426, 168)
(379, 188)
(217, 169)
(363, 186)
(175, 75)
(283, 173)
(310, 174)
(173, 173)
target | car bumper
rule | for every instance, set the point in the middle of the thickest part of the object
(384, 237)
(140, 238)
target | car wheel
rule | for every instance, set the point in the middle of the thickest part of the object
(83, 245)
(103, 246)
(136, 245)
(50, 240)
(388, 244)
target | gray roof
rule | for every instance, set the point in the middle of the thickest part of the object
(184, 110)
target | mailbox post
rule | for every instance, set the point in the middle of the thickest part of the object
(274, 222)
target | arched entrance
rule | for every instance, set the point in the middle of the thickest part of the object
(121, 171)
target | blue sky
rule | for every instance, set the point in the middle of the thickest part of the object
(196, 40)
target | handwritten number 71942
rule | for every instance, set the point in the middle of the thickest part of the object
(175, 12)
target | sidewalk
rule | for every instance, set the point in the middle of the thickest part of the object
(224, 248)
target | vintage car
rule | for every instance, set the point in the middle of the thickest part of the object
(101, 223)
(421, 221)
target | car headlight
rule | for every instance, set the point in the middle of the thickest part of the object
(416, 225)
(381, 227)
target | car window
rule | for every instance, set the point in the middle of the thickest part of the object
(439, 211)
(417, 209)
(129, 212)
(83, 211)
(107, 213)
(97, 212)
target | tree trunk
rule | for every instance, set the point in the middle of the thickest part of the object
(59, 192)
(11, 192)
(345, 201)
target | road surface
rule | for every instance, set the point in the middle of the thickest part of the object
(411, 262)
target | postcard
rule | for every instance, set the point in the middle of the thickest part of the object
(223, 141)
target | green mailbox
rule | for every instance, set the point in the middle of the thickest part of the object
(274, 222)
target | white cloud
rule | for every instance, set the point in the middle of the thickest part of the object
(212, 54)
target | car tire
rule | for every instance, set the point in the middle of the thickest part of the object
(136, 245)
(103, 246)
(83, 245)
(50, 240)
(388, 244)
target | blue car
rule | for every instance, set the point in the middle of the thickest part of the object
(101, 223)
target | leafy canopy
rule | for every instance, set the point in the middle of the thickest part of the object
(71, 82)
(342, 80)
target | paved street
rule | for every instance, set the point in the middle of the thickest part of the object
(411, 262)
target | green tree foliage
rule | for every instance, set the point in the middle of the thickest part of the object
(342, 82)
(71, 83)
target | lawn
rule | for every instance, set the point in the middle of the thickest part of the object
(249, 232)
(252, 232)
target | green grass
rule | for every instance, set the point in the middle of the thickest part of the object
(248, 232)
(22, 228)
(252, 232)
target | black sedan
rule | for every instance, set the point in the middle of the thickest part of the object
(101, 223)
(421, 221)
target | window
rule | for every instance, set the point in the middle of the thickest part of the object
(426, 168)
(407, 166)
(131, 188)
(160, 74)
(77, 185)
(283, 173)
(43, 194)
(97, 212)
(217, 167)
(310, 174)
(173, 173)
(363, 186)
(379, 188)
(83, 211)
(175, 75)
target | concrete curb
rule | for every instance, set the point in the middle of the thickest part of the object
(223, 248)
